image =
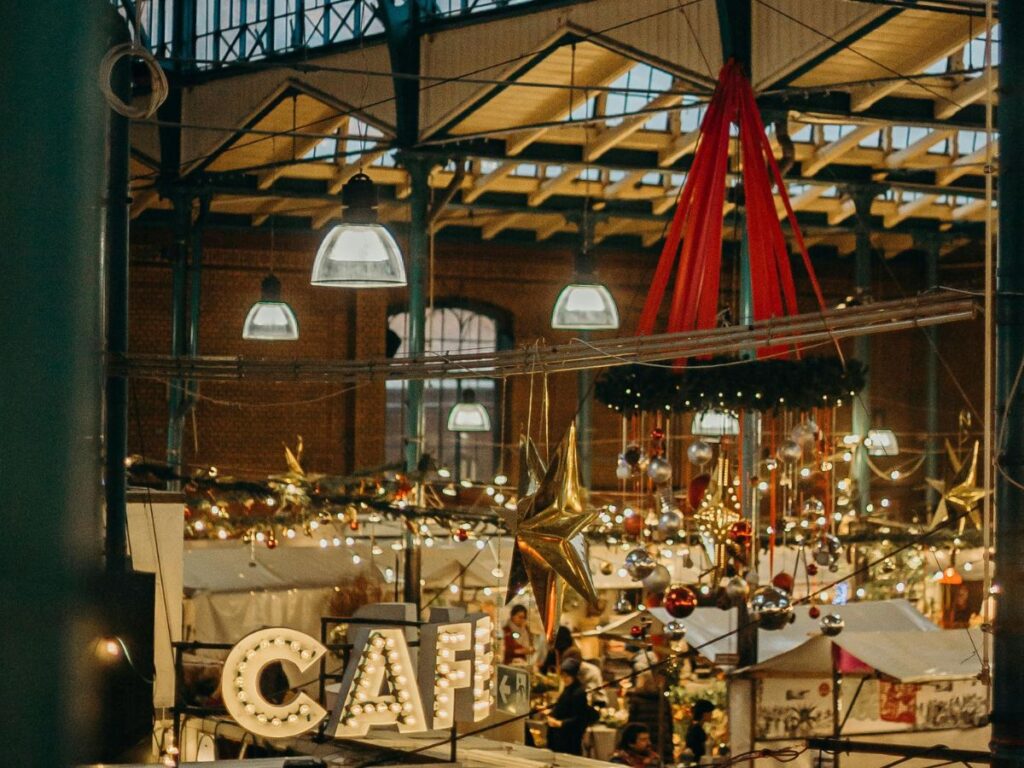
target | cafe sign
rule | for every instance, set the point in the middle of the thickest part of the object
(387, 682)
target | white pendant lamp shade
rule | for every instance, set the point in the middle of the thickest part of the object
(359, 252)
(270, 319)
(585, 306)
(469, 415)
(714, 423)
(882, 442)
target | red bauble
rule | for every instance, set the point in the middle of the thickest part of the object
(741, 532)
(657, 434)
(633, 525)
(812, 569)
(814, 612)
(783, 581)
(271, 543)
(461, 534)
(679, 602)
(637, 630)
(698, 487)
(354, 524)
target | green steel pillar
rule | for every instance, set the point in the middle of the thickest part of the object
(584, 379)
(931, 373)
(418, 259)
(1008, 644)
(115, 286)
(51, 354)
(862, 344)
(176, 400)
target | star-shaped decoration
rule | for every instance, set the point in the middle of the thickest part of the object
(714, 518)
(962, 495)
(550, 535)
(531, 472)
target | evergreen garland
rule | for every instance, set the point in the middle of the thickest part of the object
(729, 383)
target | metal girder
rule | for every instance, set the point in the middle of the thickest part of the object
(900, 157)
(835, 150)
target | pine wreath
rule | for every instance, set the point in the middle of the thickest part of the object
(727, 382)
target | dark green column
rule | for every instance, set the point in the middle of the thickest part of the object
(862, 345)
(1008, 646)
(51, 197)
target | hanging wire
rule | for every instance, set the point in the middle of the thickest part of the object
(988, 503)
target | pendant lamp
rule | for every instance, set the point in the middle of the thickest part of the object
(469, 415)
(270, 319)
(359, 252)
(585, 305)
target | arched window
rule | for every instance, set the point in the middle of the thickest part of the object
(451, 329)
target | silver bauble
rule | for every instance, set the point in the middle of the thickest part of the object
(669, 523)
(813, 507)
(790, 451)
(658, 580)
(659, 470)
(831, 624)
(827, 550)
(622, 605)
(806, 433)
(639, 564)
(752, 579)
(675, 630)
(700, 453)
(771, 608)
(737, 589)
(623, 471)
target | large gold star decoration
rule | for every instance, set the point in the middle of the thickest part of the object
(550, 536)
(531, 472)
(715, 518)
(962, 495)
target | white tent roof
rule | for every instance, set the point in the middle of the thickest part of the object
(712, 631)
(228, 568)
(950, 654)
(909, 657)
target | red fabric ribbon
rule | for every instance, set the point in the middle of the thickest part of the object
(693, 244)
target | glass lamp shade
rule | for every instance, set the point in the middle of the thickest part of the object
(270, 319)
(585, 306)
(882, 442)
(715, 424)
(363, 255)
(469, 415)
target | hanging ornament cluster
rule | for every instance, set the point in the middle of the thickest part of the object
(549, 536)
(762, 385)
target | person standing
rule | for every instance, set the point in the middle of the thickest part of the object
(518, 640)
(696, 736)
(635, 748)
(571, 715)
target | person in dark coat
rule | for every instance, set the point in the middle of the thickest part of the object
(571, 715)
(696, 736)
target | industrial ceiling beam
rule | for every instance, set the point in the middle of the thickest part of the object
(833, 151)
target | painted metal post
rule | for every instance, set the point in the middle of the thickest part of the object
(115, 284)
(862, 199)
(418, 258)
(1008, 644)
(931, 374)
(179, 327)
(50, 424)
(584, 265)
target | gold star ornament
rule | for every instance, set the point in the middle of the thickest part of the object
(962, 496)
(550, 537)
(531, 472)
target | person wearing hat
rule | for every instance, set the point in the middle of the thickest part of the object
(696, 736)
(571, 715)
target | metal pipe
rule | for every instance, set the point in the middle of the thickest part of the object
(931, 380)
(418, 259)
(179, 301)
(115, 287)
(1008, 643)
(862, 346)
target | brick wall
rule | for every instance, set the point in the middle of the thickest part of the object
(241, 427)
